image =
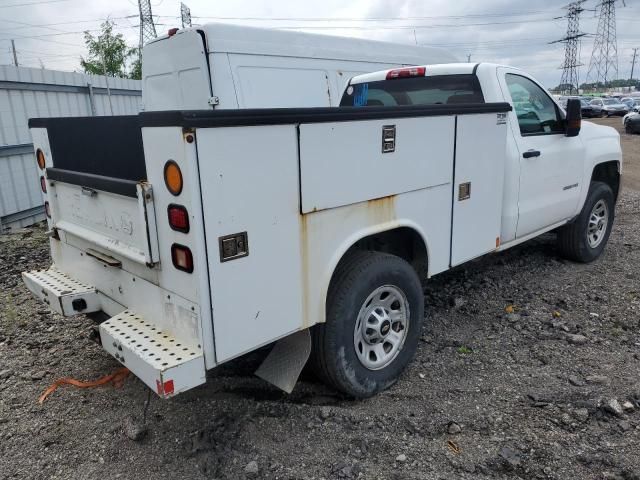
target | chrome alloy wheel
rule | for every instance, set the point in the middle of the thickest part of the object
(381, 327)
(598, 222)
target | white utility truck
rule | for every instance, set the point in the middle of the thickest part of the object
(200, 235)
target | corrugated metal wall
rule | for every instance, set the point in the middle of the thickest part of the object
(30, 92)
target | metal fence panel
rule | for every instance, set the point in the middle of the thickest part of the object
(31, 92)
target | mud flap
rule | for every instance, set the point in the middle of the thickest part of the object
(285, 362)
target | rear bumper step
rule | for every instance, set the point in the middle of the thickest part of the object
(160, 360)
(62, 293)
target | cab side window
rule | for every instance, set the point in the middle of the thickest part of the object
(536, 112)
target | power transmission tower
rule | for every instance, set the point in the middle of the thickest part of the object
(571, 41)
(147, 27)
(633, 62)
(603, 66)
(185, 13)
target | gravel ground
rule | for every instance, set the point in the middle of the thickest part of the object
(550, 390)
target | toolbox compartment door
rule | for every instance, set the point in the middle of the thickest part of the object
(477, 185)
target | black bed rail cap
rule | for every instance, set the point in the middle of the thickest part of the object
(45, 122)
(281, 116)
(120, 186)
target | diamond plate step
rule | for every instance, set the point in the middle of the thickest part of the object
(163, 362)
(62, 293)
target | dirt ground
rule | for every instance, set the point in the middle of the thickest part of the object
(549, 391)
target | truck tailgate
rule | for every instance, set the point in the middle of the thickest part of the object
(96, 185)
(120, 224)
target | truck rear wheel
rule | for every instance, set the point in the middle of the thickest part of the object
(375, 308)
(584, 239)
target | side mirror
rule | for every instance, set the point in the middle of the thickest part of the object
(574, 117)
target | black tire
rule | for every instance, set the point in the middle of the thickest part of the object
(572, 238)
(334, 356)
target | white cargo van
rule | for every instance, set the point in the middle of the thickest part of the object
(231, 66)
(204, 234)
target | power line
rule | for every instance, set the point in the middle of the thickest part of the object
(32, 3)
(373, 19)
(404, 27)
(633, 62)
(62, 33)
(47, 25)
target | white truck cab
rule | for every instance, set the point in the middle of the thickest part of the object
(200, 235)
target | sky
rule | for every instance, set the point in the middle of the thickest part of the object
(49, 33)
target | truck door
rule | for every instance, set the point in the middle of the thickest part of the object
(551, 166)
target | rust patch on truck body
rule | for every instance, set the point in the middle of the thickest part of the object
(378, 211)
(381, 210)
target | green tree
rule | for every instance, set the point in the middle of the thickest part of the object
(109, 54)
(136, 66)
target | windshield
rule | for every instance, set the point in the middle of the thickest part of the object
(611, 101)
(439, 89)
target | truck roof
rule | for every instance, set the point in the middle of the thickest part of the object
(230, 38)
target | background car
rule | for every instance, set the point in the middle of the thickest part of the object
(610, 106)
(628, 116)
(588, 111)
(628, 101)
(632, 125)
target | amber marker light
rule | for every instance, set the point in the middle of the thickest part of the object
(40, 159)
(173, 177)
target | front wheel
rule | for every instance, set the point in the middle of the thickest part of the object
(375, 308)
(584, 239)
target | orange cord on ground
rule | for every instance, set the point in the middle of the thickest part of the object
(117, 378)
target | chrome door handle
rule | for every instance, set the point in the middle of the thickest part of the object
(531, 153)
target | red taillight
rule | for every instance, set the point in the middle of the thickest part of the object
(43, 184)
(406, 72)
(47, 209)
(178, 218)
(182, 258)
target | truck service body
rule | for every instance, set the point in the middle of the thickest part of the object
(230, 66)
(204, 234)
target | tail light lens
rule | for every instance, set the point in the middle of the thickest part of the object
(178, 218)
(40, 159)
(182, 258)
(406, 72)
(173, 177)
(43, 184)
(47, 209)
